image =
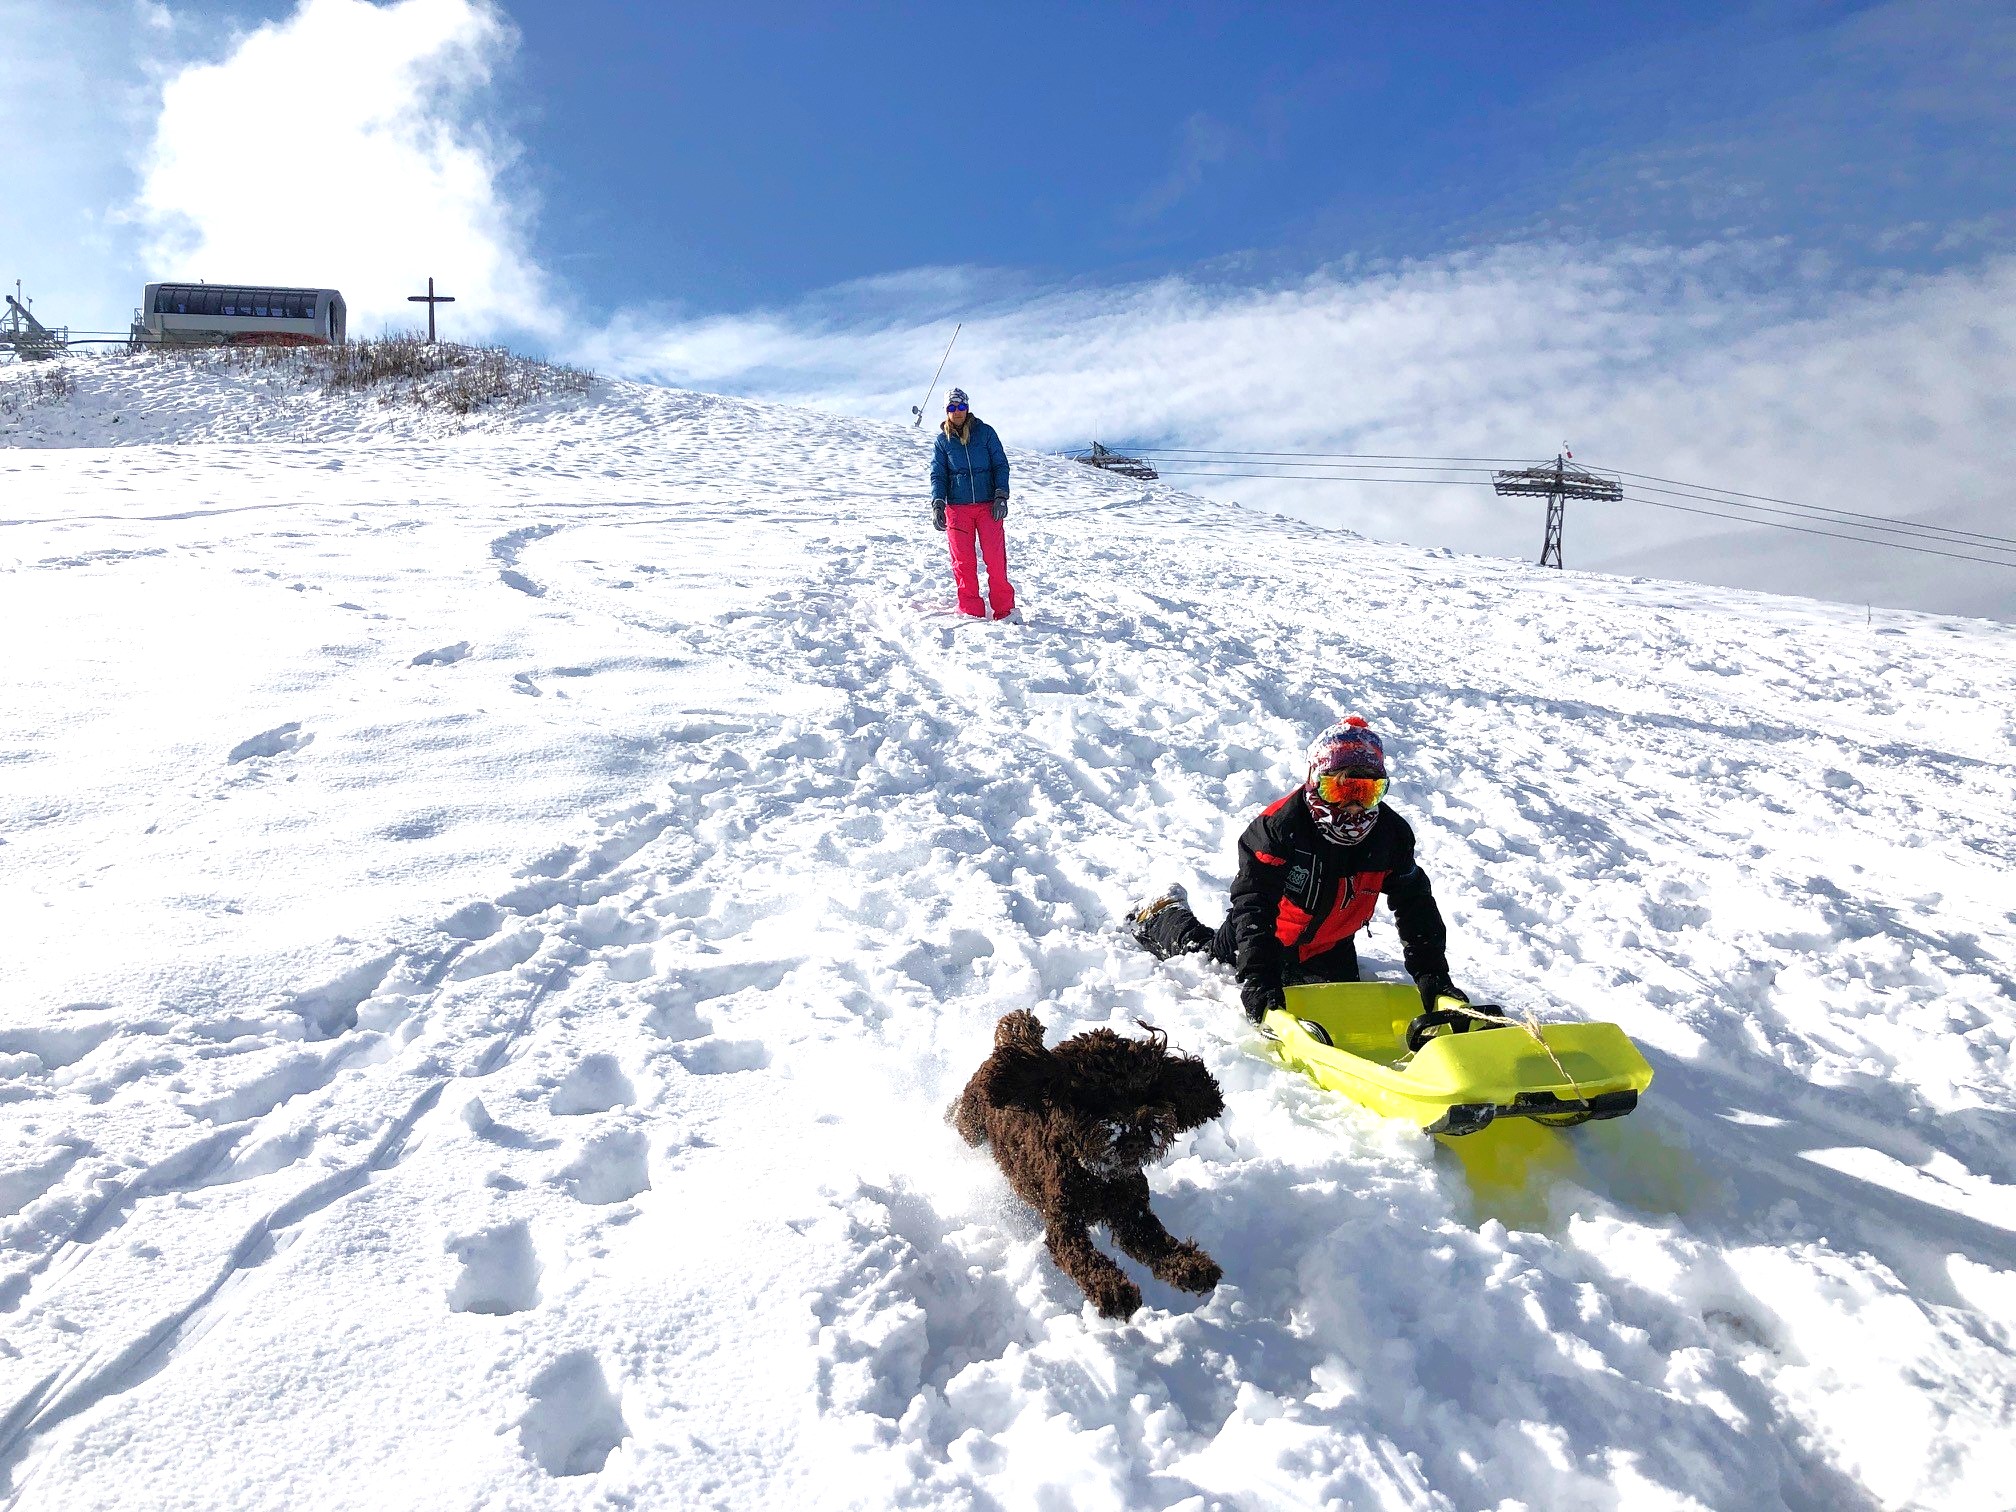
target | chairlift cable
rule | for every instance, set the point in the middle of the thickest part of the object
(1733, 519)
(1832, 534)
(1335, 477)
(1283, 461)
(1705, 492)
(1716, 495)
(1887, 524)
(1180, 451)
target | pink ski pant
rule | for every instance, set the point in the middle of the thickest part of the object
(963, 522)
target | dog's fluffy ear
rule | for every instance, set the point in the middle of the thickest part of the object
(1192, 1090)
(1021, 1029)
(1016, 1078)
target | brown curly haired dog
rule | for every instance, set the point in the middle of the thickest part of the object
(1072, 1127)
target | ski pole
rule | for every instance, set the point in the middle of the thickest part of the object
(918, 409)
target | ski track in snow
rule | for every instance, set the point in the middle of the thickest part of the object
(495, 918)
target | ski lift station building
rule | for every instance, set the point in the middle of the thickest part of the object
(248, 314)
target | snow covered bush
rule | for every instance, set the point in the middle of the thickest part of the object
(445, 374)
(406, 368)
(40, 385)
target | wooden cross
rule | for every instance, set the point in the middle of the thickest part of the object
(430, 299)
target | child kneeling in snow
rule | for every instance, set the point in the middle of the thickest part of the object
(1312, 867)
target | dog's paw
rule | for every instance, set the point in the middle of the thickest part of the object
(1118, 1298)
(1188, 1268)
(965, 1117)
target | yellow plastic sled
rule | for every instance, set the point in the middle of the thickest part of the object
(1353, 1038)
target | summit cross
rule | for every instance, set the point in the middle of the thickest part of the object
(430, 299)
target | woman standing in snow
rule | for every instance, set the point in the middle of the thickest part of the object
(969, 500)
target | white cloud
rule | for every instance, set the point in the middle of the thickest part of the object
(342, 146)
(1739, 365)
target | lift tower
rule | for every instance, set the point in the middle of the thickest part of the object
(27, 337)
(1556, 482)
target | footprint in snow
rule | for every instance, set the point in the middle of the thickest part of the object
(612, 1167)
(673, 1018)
(555, 863)
(718, 1057)
(637, 964)
(331, 1008)
(441, 656)
(498, 953)
(484, 1127)
(420, 827)
(601, 924)
(1739, 1329)
(575, 1421)
(596, 1085)
(500, 1270)
(278, 741)
(52, 1047)
(477, 921)
(506, 547)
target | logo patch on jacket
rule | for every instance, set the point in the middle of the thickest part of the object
(1298, 878)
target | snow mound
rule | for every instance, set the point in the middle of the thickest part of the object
(496, 914)
(371, 390)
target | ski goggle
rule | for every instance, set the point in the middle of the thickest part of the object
(955, 409)
(1343, 788)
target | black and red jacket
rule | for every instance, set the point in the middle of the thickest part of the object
(1300, 895)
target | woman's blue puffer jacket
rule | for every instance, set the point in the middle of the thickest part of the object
(973, 471)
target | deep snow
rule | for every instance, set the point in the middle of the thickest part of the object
(494, 915)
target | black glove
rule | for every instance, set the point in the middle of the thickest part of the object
(1001, 505)
(1436, 984)
(938, 514)
(1258, 994)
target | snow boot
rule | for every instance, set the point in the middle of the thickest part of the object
(1176, 895)
(1164, 926)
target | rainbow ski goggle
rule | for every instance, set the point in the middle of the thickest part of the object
(1342, 788)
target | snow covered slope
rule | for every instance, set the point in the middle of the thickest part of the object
(493, 919)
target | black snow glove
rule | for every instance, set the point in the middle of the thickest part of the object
(938, 514)
(1436, 984)
(1258, 994)
(1001, 505)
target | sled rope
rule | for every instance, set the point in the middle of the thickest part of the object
(1525, 1020)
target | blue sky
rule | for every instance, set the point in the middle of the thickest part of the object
(1060, 141)
(723, 157)
(728, 157)
(1767, 246)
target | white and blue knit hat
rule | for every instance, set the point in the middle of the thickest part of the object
(957, 400)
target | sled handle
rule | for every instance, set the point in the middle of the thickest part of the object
(1458, 1020)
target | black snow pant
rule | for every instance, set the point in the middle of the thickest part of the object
(1175, 931)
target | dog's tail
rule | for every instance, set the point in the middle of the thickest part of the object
(1020, 1028)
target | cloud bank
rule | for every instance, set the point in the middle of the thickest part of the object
(345, 146)
(1739, 365)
